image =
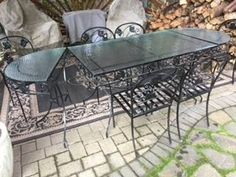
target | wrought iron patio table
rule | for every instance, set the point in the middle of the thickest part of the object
(121, 57)
(142, 50)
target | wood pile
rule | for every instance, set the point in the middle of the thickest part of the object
(205, 14)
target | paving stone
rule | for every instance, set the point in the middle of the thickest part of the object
(144, 130)
(91, 137)
(227, 101)
(231, 111)
(143, 150)
(171, 170)
(127, 172)
(122, 120)
(55, 149)
(231, 128)
(43, 142)
(127, 147)
(227, 143)
(102, 169)
(32, 156)
(17, 169)
(36, 175)
(206, 170)
(77, 150)
(70, 168)
(220, 117)
(147, 140)
(152, 158)
(156, 128)
(138, 168)
(221, 103)
(160, 152)
(93, 160)
(187, 156)
(57, 138)
(17, 153)
(97, 126)
(220, 160)
(120, 138)
(87, 173)
(73, 136)
(47, 166)
(127, 132)
(63, 158)
(129, 157)
(142, 120)
(115, 174)
(115, 160)
(30, 169)
(232, 174)
(198, 138)
(29, 147)
(107, 146)
(84, 130)
(92, 148)
(112, 131)
(146, 164)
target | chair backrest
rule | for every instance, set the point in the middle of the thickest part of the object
(97, 34)
(129, 29)
(15, 46)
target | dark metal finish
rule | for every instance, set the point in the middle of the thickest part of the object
(129, 29)
(96, 34)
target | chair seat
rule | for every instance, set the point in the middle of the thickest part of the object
(145, 100)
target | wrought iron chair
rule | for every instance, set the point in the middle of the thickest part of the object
(150, 92)
(97, 34)
(129, 29)
(201, 75)
(13, 47)
(92, 35)
(229, 27)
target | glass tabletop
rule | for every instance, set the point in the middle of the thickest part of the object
(112, 55)
(215, 37)
(34, 67)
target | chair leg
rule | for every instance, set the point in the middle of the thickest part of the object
(21, 106)
(177, 119)
(65, 142)
(207, 109)
(168, 125)
(111, 115)
(132, 133)
(233, 72)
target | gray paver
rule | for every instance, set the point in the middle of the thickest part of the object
(116, 160)
(152, 158)
(70, 168)
(77, 151)
(32, 156)
(87, 173)
(47, 166)
(138, 168)
(170, 170)
(30, 169)
(93, 160)
(29, 147)
(63, 158)
(220, 160)
(127, 172)
(43, 142)
(102, 169)
(206, 170)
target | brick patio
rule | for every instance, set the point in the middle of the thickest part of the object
(91, 154)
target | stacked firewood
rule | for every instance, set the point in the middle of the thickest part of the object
(206, 14)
